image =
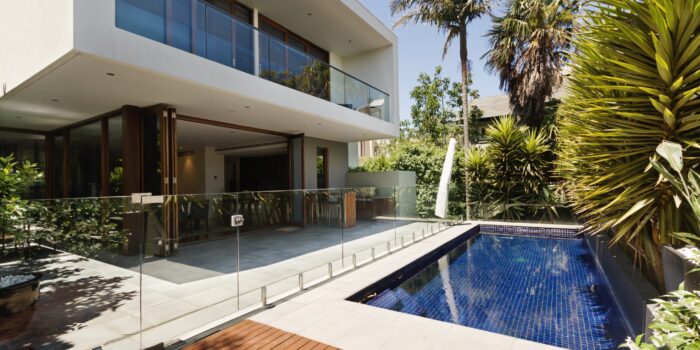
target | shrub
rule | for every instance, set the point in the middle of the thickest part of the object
(510, 179)
(635, 78)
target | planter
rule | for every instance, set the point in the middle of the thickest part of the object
(19, 297)
(16, 306)
(677, 269)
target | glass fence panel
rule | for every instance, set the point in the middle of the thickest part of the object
(284, 237)
(219, 29)
(180, 24)
(190, 275)
(337, 86)
(378, 104)
(493, 210)
(146, 18)
(356, 95)
(80, 258)
(374, 220)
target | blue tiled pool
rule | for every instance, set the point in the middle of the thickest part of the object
(545, 290)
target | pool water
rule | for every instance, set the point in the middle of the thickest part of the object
(540, 289)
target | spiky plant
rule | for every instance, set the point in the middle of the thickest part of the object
(634, 83)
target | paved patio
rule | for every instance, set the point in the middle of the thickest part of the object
(85, 303)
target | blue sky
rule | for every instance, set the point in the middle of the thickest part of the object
(420, 50)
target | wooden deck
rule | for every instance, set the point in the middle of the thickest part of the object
(253, 335)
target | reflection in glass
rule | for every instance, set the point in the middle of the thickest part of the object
(116, 164)
(25, 147)
(85, 160)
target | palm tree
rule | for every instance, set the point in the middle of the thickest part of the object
(528, 50)
(450, 17)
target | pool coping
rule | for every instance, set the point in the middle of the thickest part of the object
(324, 314)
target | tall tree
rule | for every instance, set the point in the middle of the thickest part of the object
(528, 47)
(450, 17)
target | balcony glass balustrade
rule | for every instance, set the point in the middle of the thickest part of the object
(206, 31)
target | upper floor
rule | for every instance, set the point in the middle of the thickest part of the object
(317, 63)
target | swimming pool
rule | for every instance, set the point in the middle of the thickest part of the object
(546, 290)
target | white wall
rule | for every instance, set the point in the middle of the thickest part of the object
(33, 35)
(214, 177)
(96, 34)
(337, 162)
(190, 172)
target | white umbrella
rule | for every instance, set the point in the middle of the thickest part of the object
(441, 201)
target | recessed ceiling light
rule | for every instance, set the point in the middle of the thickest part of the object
(110, 74)
(247, 107)
(18, 116)
(54, 100)
(349, 41)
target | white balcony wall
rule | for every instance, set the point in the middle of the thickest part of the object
(34, 34)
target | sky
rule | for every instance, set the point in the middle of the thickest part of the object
(420, 50)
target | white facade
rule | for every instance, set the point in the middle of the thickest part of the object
(64, 61)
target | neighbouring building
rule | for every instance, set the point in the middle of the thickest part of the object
(113, 97)
(498, 106)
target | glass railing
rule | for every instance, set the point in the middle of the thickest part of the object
(204, 30)
(130, 272)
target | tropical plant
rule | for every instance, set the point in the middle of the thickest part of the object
(510, 179)
(676, 323)
(452, 18)
(634, 82)
(15, 180)
(528, 47)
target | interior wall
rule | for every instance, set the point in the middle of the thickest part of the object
(337, 162)
(190, 169)
(214, 171)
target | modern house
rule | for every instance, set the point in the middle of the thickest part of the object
(113, 97)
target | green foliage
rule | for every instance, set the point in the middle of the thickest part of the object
(15, 180)
(528, 51)
(509, 179)
(82, 226)
(676, 323)
(634, 83)
(436, 111)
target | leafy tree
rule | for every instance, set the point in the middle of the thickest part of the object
(634, 83)
(15, 180)
(528, 47)
(451, 17)
(436, 107)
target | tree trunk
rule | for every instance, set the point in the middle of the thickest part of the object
(463, 56)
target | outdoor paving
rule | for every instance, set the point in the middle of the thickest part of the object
(86, 303)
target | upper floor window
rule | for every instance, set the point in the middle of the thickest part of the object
(242, 13)
(283, 34)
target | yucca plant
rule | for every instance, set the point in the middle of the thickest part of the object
(634, 83)
(482, 197)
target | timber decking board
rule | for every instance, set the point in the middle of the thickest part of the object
(253, 335)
